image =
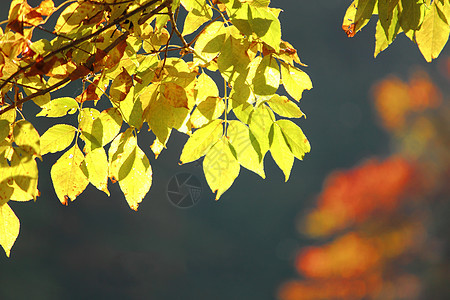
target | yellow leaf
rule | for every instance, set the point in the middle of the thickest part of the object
(246, 147)
(95, 168)
(57, 138)
(27, 138)
(280, 151)
(205, 87)
(68, 179)
(24, 172)
(201, 141)
(9, 228)
(295, 81)
(433, 34)
(210, 109)
(220, 167)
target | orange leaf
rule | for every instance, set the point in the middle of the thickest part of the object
(175, 94)
(121, 86)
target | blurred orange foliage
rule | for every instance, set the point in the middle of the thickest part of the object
(379, 220)
(353, 196)
(395, 99)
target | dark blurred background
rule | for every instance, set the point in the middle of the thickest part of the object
(240, 247)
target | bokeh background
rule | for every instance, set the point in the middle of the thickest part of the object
(267, 239)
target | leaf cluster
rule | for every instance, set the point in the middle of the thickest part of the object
(213, 76)
(426, 23)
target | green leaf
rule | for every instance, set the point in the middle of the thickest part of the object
(433, 34)
(246, 147)
(295, 81)
(267, 77)
(412, 14)
(210, 109)
(220, 167)
(280, 151)
(388, 17)
(261, 120)
(295, 138)
(24, 172)
(201, 141)
(9, 228)
(381, 41)
(59, 107)
(68, 179)
(284, 107)
(4, 129)
(27, 138)
(95, 168)
(57, 138)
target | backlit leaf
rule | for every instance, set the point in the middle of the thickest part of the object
(201, 141)
(210, 109)
(261, 120)
(121, 86)
(9, 228)
(295, 138)
(433, 34)
(220, 167)
(59, 107)
(210, 42)
(95, 168)
(267, 77)
(246, 147)
(27, 138)
(68, 179)
(24, 172)
(205, 87)
(295, 81)
(57, 138)
(280, 151)
(284, 107)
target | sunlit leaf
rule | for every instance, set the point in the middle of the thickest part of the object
(220, 167)
(201, 141)
(280, 151)
(68, 179)
(267, 77)
(95, 168)
(261, 120)
(9, 227)
(121, 86)
(295, 138)
(284, 107)
(59, 107)
(433, 34)
(210, 109)
(205, 87)
(295, 81)
(24, 172)
(246, 147)
(27, 138)
(57, 138)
